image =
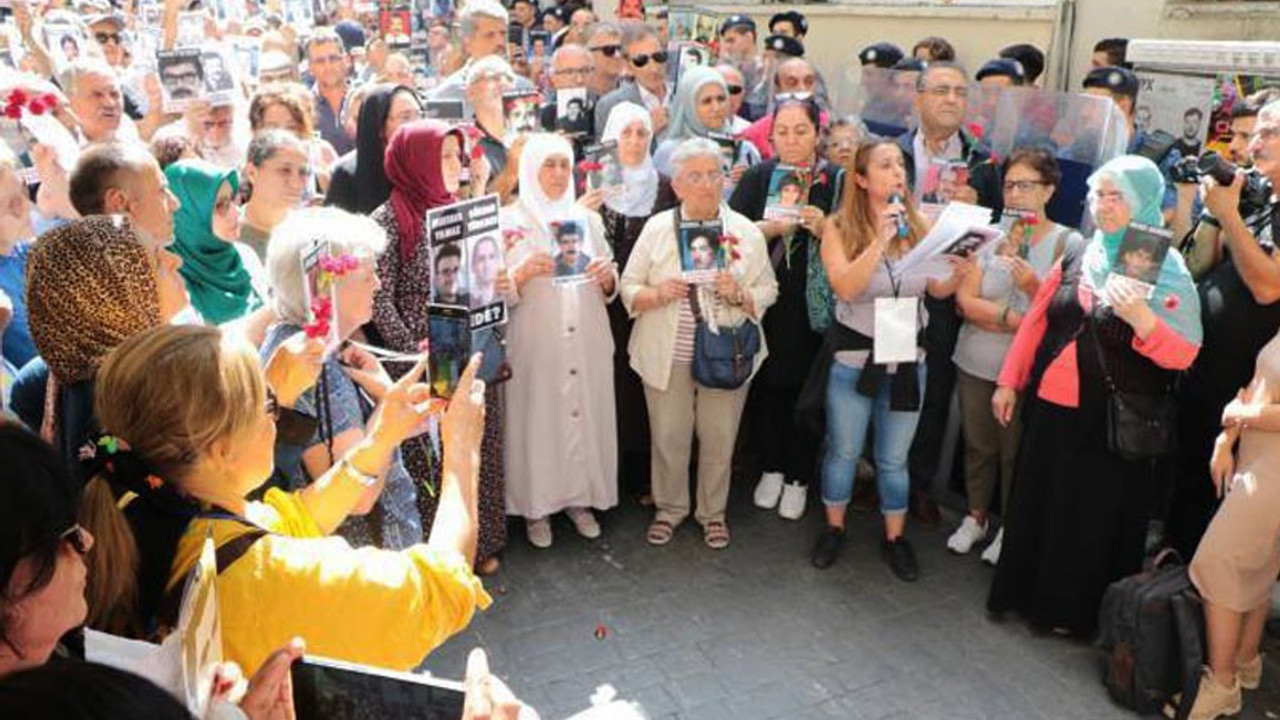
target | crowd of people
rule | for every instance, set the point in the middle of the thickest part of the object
(220, 321)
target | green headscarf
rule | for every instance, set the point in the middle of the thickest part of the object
(1175, 301)
(219, 285)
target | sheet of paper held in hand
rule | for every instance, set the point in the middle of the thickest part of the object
(960, 227)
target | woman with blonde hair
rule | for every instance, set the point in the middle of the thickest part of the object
(191, 431)
(875, 227)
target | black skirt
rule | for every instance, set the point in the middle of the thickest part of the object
(1077, 522)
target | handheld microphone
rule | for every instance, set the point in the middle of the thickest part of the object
(903, 230)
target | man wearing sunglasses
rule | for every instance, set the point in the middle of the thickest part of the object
(604, 41)
(648, 61)
(736, 85)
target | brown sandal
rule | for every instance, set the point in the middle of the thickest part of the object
(716, 535)
(660, 532)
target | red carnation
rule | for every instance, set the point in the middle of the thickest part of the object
(735, 255)
(1171, 302)
(476, 152)
(975, 129)
(13, 112)
(822, 179)
(18, 96)
(1031, 220)
(588, 166)
(36, 107)
(50, 100)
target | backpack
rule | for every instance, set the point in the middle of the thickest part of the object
(1151, 632)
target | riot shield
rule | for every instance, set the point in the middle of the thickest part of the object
(884, 99)
(1083, 131)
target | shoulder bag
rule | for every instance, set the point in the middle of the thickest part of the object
(1140, 426)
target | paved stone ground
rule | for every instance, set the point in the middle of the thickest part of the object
(755, 632)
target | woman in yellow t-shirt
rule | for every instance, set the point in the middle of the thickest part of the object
(191, 434)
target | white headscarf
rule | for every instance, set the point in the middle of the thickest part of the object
(537, 149)
(639, 182)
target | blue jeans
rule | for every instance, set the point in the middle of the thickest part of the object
(849, 415)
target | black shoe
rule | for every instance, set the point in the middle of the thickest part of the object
(828, 546)
(901, 558)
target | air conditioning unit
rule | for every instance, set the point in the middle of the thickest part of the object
(1251, 58)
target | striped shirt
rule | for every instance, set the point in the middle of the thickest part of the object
(684, 334)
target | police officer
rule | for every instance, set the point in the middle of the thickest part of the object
(1121, 85)
(789, 23)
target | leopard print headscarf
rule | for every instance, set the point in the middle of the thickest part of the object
(91, 284)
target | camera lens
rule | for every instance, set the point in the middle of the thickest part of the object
(1218, 168)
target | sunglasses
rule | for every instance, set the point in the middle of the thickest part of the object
(735, 89)
(272, 405)
(103, 38)
(78, 538)
(609, 51)
(659, 57)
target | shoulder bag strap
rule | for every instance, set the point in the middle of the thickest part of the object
(225, 555)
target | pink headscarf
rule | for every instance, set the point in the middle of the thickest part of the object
(417, 182)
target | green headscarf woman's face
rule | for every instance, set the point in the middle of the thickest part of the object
(225, 222)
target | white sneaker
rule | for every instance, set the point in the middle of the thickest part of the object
(991, 555)
(794, 497)
(969, 532)
(585, 522)
(768, 490)
(539, 532)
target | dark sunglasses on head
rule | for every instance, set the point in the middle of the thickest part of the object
(77, 538)
(735, 89)
(659, 57)
(103, 38)
(608, 51)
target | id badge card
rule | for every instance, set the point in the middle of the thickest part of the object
(896, 330)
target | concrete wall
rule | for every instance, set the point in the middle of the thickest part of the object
(978, 28)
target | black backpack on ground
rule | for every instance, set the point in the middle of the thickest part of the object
(1151, 631)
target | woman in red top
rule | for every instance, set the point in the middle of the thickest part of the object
(1078, 515)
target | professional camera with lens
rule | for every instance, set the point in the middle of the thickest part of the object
(1255, 195)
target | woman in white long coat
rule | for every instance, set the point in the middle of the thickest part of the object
(561, 440)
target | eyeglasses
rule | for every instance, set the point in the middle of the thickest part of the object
(1022, 185)
(566, 72)
(78, 538)
(708, 178)
(226, 204)
(272, 405)
(735, 89)
(659, 57)
(940, 91)
(105, 37)
(608, 51)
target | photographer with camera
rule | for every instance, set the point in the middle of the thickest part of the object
(1234, 255)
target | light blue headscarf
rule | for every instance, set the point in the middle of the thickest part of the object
(1175, 301)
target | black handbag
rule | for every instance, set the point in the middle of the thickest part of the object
(723, 359)
(1139, 426)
